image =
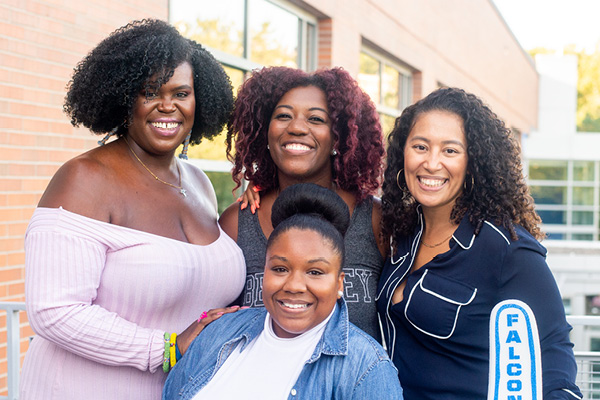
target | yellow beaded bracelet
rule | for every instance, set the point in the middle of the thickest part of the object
(172, 357)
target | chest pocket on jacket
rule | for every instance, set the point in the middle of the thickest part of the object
(434, 304)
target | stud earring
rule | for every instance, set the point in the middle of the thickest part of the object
(340, 294)
(186, 144)
(268, 147)
(334, 152)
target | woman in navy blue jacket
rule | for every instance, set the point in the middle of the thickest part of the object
(463, 235)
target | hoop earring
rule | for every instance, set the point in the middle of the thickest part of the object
(472, 186)
(398, 179)
(186, 144)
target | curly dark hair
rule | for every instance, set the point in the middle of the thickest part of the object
(495, 186)
(355, 128)
(106, 83)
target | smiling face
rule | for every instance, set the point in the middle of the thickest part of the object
(301, 281)
(300, 137)
(162, 119)
(435, 159)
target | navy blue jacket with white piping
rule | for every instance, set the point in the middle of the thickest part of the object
(438, 335)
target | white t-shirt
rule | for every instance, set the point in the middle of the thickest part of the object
(266, 369)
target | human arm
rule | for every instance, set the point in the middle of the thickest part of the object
(526, 277)
(379, 382)
(185, 339)
(63, 274)
(229, 221)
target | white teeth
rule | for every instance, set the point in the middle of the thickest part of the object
(165, 125)
(432, 182)
(294, 305)
(296, 146)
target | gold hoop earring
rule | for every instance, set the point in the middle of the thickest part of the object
(398, 179)
(472, 186)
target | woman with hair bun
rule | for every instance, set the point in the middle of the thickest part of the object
(289, 126)
(124, 250)
(301, 344)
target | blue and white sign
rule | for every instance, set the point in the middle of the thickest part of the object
(515, 358)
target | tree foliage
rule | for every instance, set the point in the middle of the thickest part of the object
(588, 85)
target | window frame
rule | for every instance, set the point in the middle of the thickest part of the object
(405, 95)
(569, 229)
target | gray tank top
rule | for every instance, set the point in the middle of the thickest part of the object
(362, 266)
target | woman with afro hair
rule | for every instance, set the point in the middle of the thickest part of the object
(124, 251)
(463, 235)
(289, 127)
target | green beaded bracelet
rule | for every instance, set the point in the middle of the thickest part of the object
(166, 355)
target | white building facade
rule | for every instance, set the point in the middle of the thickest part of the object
(563, 168)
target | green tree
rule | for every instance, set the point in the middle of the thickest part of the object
(588, 91)
(588, 85)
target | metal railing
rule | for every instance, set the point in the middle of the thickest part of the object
(13, 348)
(588, 362)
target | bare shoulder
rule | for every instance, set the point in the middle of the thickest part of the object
(376, 222)
(82, 185)
(229, 220)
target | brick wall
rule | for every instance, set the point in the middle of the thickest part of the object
(324, 54)
(40, 43)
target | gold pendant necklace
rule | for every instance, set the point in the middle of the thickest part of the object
(431, 246)
(180, 188)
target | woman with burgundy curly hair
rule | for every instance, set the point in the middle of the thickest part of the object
(289, 127)
(463, 230)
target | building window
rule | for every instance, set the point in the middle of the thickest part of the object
(566, 195)
(592, 305)
(243, 35)
(248, 34)
(387, 83)
(567, 306)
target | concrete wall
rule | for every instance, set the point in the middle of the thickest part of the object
(556, 137)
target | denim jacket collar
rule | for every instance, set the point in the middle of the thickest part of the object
(334, 341)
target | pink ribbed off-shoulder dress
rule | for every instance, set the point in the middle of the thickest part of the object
(100, 297)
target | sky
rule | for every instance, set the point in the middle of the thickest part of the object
(553, 23)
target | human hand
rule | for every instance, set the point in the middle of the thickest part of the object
(250, 196)
(187, 337)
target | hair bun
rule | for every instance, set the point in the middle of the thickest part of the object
(311, 199)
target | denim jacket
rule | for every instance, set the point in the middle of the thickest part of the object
(346, 363)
